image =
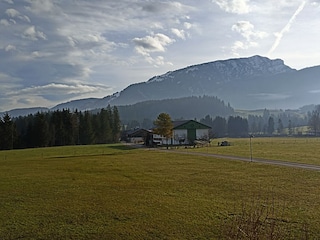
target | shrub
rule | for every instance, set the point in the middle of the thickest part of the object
(257, 219)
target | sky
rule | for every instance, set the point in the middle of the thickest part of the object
(54, 51)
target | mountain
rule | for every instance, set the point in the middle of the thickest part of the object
(246, 83)
(87, 104)
(229, 80)
(24, 111)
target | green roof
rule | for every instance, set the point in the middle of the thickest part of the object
(189, 124)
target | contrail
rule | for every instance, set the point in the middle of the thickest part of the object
(286, 28)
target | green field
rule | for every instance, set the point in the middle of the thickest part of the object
(301, 150)
(116, 192)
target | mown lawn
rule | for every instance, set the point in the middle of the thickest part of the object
(301, 150)
(114, 192)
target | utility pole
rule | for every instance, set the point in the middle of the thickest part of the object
(251, 136)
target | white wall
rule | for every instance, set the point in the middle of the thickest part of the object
(202, 134)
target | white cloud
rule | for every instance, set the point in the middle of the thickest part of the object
(179, 33)
(246, 29)
(154, 43)
(234, 6)
(12, 13)
(187, 25)
(4, 22)
(34, 35)
(61, 88)
(10, 48)
(39, 6)
(239, 45)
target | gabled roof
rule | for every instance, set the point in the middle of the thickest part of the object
(140, 132)
(185, 124)
(179, 122)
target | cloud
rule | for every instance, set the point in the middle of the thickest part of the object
(247, 30)
(4, 22)
(49, 91)
(12, 13)
(155, 43)
(270, 96)
(179, 33)
(316, 91)
(152, 44)
(234, 6)
(34, 35)
(279, 35)
(40, 6)
(10, 48)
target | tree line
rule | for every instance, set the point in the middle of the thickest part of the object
(266, 124)
(234, 126)
(60, 128)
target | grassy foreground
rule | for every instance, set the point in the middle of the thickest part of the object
(114, 192)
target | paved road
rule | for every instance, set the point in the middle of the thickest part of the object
(257, 160)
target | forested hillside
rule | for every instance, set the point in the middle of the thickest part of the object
(180, 108)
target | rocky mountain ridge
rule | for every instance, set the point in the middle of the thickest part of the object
(246, 83)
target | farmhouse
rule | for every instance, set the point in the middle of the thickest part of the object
(185, 132)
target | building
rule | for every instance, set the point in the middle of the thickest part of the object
(185, 132)
(139, 135)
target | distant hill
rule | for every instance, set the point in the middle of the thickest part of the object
(24, 111)
(181, 108)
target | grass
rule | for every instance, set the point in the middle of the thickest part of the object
(300, 150)
(114, 192)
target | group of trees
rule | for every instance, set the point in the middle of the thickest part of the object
(265, 124)
(232, 127)
(270, 124)
(314, 121)
(59, 128)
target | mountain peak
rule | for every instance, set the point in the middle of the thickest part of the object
(251, 66)
(235, 68)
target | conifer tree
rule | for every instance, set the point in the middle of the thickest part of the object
(7, 132)
(116, 124)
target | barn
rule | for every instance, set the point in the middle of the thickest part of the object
(185, 132)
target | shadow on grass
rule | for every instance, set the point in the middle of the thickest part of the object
(122, 147)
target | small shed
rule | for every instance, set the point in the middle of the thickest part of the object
(139, 135)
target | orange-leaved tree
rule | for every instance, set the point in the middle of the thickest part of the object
(163, 126)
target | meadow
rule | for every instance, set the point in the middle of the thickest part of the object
(291, 149)
(117, 192)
